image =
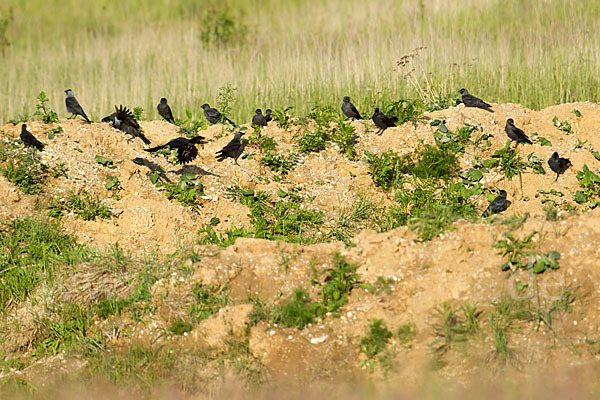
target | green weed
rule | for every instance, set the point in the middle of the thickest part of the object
(278, 163)
(209, 299)
(339, 280)
(23, 168)
(81, 204)
(520, 255)
(46, 114)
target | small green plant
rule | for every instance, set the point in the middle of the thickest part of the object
(313, 140)
(105, 161)
(59, 170)
(53, 132)
(179, 327)
(283, 117)
(23, 168)
(338, 282)
(590, 184)
(343, 135)
(112, 183)
(279, 163)
(190, 127)
(138, 113)
(449, 328)
(520, 255)
(298, 310)
(186, 191)
(406, 333)
(225, 98)
(385, 168)
(210, 298)
(405, 110)
(510, 163)
(562, 125)
(376, 340)
(46, 114)
(81, 204)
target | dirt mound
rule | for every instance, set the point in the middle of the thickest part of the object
(409, 279)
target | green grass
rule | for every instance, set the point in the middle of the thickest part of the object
(273, 62)
(32, 249)
(23, 167)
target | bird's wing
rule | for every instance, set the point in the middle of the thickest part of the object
(125, 115)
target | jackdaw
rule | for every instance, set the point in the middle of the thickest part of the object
(515, 133)
(471, 101)
(73, 106)
(558, 164)
(349, 110)
(214, 116)
(125, 121)
(29, 140)
(383, 121)
(268, 116)
(165, 111)
(259, 119)
(110, 118)
(498, 205)
(233, 149)
(186, 148)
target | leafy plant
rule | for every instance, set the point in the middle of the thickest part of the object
(23, 168)
(283, 117)
(521, 257)
(338, 282)
(345, 138)
(225, 97)
(112, 183)
(186, 191)
(210, 298)
(313, 140)
(82, 204)
(385, 168)
(47, 114)
(179, 327)
(510, 163)
(298, 311)
(562, 125)
(376, 339)
(450, 328)
(405, 110)
(590, 183)
(279, 163)
(105, 161)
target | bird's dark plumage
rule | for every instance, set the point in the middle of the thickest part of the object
(73, 105)
(186, 148)
(268, 116)
(213, 115)
(126, 122)
(233, 149)
(29, 140)
(349, 110)
(471, 101)
(558, 164)
(383, 121)
(515, 133)
(259, 119)
(110, 118)
(165, 111)
(498, 205)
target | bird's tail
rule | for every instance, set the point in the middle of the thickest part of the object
(220, 155)
(86, 117)
(157, 148)
(230, 121)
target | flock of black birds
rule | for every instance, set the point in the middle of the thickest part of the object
(124, 120)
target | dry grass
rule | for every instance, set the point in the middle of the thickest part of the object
(296, 53)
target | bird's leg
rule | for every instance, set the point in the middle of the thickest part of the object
(557, 174)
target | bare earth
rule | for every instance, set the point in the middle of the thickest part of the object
(460, 266)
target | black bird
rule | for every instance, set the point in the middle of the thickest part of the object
(383, 121)
(125, 121)
(349, 110)
(165, 111)
(233, 149)
(471, 101)
(268, 116)
(259, 119)
(73, 105)
(30, 140)
(110, 118)
(515, 133)
(186, 148)
(214, 116)
(558, 164)
(498, 205)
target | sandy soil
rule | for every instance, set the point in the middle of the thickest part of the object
(459, 267)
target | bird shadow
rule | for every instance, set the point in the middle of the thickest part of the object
(193, 170)
(152, 166)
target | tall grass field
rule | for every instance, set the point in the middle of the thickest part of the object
(294, 53)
